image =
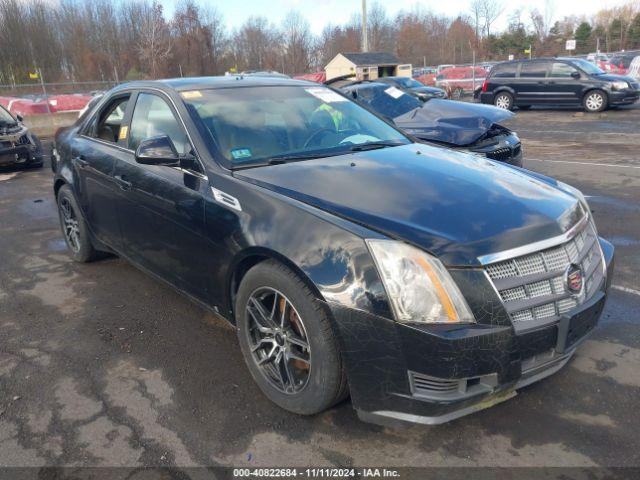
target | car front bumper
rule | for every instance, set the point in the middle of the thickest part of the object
(14, 153)
(436, 373)
(623, 97)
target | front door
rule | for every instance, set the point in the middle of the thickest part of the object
(93, 156)
(161, 209)
(563, 87)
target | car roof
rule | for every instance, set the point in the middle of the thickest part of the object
(366, 84)
(206, 83)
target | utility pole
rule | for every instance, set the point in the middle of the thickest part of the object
(365, 40)
(44, 90)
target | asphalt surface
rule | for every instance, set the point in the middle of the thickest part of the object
(103, 365)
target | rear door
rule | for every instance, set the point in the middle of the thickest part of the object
(94, 153)
(161, 209)
(562, 87)
(531, 85)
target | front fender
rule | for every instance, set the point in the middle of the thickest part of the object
(329, 253)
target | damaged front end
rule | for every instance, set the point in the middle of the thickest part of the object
(18, 146)
(499, 143)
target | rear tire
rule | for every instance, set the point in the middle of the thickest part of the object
(74, 228)
(595, 101)
(503, 100)
(302, 380)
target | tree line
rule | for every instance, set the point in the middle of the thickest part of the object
(88, 40)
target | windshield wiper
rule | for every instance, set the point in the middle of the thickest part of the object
(280, 160)
(374, 146)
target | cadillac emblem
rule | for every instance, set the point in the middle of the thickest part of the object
(574, 279)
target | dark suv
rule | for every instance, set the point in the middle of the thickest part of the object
(556, 81)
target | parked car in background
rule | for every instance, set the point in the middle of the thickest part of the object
(598, 59)
(18, 146)
(414, 87)
(459, 125)
(620, 62)
(460, 80)
(443, 66)
(634, 69)
(425, 283)
(557, 81)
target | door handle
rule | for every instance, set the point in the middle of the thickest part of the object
(122, 183)
(80, 162)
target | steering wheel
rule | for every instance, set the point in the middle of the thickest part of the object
(315, 134)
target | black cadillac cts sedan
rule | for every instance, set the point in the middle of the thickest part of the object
(423, 282)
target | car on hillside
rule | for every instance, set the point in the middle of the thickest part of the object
(556, 81)
(414, 87)
(465, 126)
(424, 282)
(18, 146)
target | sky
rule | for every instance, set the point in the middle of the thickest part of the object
(322, 12)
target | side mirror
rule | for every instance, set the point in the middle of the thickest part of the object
(575, 75)
(158, 151)
(19, 117)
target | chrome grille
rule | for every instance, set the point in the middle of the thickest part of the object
(533, 288)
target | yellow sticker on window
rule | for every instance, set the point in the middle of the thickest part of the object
(191, 94)
(123, 133)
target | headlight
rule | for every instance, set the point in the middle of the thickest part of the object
(620, 85)
(577, 193)
(419, 287)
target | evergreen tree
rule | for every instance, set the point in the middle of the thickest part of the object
(583, 34)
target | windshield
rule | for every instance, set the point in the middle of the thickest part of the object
(257, 124)
(409, 83)
(388, 101)
(588, 67)
(5, 117)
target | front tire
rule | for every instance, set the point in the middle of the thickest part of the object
(595, 101)
(504, 100)
(74, 228)
(288, 341)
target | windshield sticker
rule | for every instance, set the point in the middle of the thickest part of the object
(394, 92)
(241, 153)
(325, 94)
(191, 94)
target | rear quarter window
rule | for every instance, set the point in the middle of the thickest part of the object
(504, 71)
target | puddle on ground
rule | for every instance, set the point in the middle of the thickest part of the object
(58, 245)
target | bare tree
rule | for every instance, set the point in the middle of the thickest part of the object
(297, 43)
(542, 21)
(490, 11)
(154, 45)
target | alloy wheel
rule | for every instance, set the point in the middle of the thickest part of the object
(70, 225)
(503, 102)
(278, 340)
(594, 102)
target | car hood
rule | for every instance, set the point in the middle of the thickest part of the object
(451, 122)
(455, 205)
(610, 77)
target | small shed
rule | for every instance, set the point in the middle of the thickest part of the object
(367, 66)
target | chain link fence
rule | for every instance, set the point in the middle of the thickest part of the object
(39, 91)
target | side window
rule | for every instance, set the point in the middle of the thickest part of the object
(561, 70)
(152, 117)
(504, 71)
(107, 122)
(533, 70)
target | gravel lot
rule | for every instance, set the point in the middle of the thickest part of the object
(102, 365)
